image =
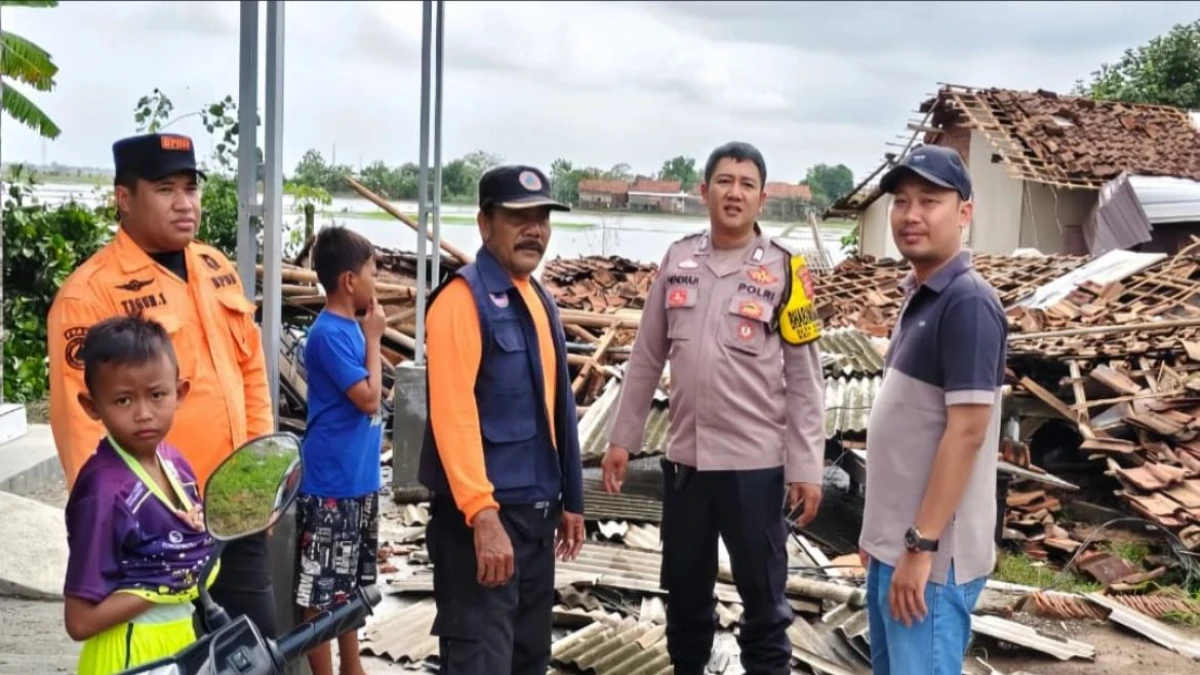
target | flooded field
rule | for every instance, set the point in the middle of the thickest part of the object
(640, 237)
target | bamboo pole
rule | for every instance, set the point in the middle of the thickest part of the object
(303, 276)
(383, 204)
(586, 371)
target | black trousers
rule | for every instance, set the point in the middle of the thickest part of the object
(493, 631)
(746, 509)
(243, 586)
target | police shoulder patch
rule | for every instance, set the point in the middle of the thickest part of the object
(798, 320)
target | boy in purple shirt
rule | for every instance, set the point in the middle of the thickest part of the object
(135, 526)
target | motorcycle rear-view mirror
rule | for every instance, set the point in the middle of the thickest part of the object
(252, 488)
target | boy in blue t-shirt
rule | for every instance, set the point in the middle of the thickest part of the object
(337, 513)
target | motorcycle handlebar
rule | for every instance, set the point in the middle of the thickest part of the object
(341, 618)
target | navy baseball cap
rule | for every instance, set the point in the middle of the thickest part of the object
(938, 165)
(155, 156)
(516, 187)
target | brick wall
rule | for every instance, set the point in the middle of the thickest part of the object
(959, 138)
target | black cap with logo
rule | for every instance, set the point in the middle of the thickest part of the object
(516, 187)
(938, 165)
(155, 156)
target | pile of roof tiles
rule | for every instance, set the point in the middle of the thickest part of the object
(1168, 291)
(866, 294)
(598, 283)
(1083, 139)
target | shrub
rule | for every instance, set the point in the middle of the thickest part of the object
(42, 246)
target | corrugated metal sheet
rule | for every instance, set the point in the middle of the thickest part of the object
(600, 505)
(1112, 266)
(1117, 221)
(848, 404)
(1017, 634)
(626, 648)
(850, 352)
(595, 424)
(1167, 199)
(404, 638)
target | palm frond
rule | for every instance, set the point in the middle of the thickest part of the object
(26, 112)
(22, 60)
(28, 3)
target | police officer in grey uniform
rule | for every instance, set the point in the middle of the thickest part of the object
(746, 416)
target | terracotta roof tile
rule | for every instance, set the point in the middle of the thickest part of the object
(1072, 141)
(781, 190)
(668, 187)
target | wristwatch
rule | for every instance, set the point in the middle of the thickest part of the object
(914, 542)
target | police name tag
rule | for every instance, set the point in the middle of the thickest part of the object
(799, 323)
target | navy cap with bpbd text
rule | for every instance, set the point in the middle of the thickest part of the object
(155, 156)
(938, 165)
(516, 187)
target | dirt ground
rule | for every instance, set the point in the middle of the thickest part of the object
(33, 641)
(1118, 652)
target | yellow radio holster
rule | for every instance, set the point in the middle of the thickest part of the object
(798, 320)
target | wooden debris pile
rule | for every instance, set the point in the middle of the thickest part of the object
(599, 300)
(1140, 422)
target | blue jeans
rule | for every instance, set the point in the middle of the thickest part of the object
(937, 644)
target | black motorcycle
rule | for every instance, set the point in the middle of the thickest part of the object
(246, 495)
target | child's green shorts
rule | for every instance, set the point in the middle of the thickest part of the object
(158, 633)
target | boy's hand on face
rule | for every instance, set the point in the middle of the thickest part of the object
(375, 321)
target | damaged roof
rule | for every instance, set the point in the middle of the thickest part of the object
(1069, 141)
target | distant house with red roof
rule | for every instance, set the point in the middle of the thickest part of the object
(603, 194)
(648, 194)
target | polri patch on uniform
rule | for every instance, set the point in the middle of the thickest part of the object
(499, 299)
(678, 297)
(74, 338)
(530, 181)
(761, 275)
(687, 264)
(750, 309)
(745, 331)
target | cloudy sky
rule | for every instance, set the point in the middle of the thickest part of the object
(598, 83)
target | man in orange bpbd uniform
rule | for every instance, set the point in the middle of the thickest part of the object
(154, 267)
(501, 450)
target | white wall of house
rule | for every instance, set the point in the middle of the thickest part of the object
(996, 225)
(1047, 211)
(875, 233)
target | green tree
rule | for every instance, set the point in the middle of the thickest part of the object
(829, 182)
(1164, 71)
(27, 63)
(682, 169)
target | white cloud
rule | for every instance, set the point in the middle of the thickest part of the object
(597, 83)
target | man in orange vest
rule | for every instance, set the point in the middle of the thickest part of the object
(154, 267)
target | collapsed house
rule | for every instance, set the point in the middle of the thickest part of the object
(1058, 174)
(1102, 415)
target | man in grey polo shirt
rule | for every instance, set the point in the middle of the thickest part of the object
(935, 426)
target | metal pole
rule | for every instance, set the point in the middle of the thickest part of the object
(423, 185)
(436, 272)
(247, 160)
(273, 200)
